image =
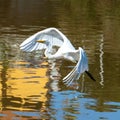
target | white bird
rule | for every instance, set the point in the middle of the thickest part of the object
(51, 37)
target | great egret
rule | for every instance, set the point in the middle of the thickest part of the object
(51, 37)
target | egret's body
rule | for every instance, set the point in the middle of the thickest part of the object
(51, 37)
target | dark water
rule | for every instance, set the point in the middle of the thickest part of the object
(31, 89)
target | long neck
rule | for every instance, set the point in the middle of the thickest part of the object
(48, 51)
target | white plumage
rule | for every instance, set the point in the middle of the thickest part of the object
(53, 37)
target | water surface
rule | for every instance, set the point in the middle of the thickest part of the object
(32, 89)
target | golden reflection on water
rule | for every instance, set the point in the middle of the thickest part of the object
(25, 87)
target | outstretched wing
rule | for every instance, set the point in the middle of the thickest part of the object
(53, 35)
(81, 66)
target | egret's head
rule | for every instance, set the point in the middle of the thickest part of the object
(48, 48)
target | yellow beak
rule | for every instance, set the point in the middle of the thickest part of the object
(41, 41)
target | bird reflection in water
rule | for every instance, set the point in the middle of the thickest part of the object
(55, 75)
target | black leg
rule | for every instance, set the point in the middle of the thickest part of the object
(89, 74)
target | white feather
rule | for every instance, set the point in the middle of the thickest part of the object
(66, 51)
